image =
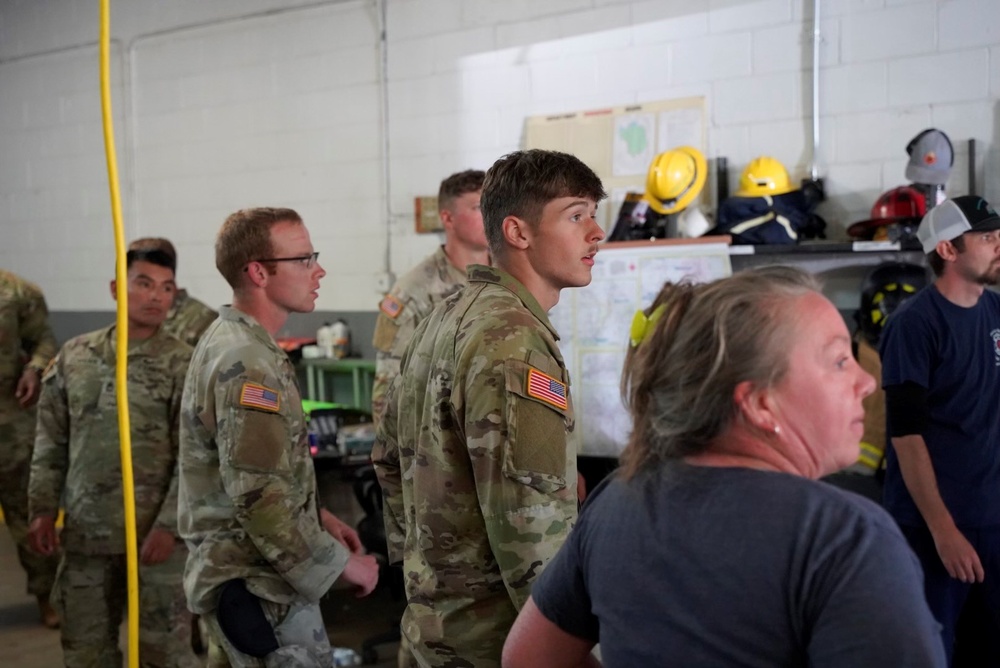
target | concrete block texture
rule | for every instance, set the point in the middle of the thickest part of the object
(237, 103)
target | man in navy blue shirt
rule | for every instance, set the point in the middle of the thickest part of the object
(941, 373)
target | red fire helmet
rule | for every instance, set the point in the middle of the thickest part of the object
(902, 205)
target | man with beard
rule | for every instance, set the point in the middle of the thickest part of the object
(941, 373)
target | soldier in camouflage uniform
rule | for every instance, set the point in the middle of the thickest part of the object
(188, 318)
(425, 286)
(26, 346)
(476, 452)
(77, 459)
(260, 557)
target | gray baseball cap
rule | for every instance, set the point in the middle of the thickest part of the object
(954, 217)
(931, 158)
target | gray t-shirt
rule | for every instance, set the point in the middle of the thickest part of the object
(703, 566)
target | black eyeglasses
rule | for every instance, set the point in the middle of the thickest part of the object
(306, 261)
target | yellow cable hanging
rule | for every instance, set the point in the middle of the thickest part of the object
(121, 368)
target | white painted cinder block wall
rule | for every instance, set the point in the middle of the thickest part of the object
(239, 103)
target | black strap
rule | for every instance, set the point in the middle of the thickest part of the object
(243, 622)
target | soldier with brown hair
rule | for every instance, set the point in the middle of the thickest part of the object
(262, 550)
(476, 452)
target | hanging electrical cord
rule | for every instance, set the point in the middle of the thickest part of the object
(121, 367)
(381, 7)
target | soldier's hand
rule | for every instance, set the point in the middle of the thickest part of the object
(361, 571)
(29, 387)
(341, 531)
(42, 536)
(157, 547)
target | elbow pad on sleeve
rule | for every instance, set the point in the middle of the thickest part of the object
(906, 408)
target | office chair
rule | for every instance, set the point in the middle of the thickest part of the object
(371, 531)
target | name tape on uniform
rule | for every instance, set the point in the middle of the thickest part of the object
(257, 396)
(546, 388)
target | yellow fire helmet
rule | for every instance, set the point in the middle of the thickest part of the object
(764, 176)
(675, 178)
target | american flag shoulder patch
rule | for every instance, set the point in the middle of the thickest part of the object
(391, 306)
(262, 398)
(546, 388)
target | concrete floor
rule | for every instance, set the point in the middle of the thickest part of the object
(25, 643)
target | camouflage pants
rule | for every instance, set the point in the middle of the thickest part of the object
(17, 437)
(301, 634)
(404, 657)
(91, 596)
(215, 656)
(475, 645)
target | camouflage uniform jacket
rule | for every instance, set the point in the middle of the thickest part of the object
(77, 454)
(25, 337)
(248, 505)
(476, 456)
(411, 300)
(188, 318)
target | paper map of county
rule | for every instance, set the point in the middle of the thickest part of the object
(633, 147)
(593, 324)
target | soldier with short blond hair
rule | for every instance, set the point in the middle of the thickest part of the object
(437, 277)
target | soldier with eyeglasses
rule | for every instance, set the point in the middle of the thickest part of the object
(262, 551)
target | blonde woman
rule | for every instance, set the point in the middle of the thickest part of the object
(715, 545)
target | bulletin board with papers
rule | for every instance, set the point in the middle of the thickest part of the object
(593, 325)
(618, 143)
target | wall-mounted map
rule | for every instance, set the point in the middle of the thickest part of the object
(593, 323)
(618, 143)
